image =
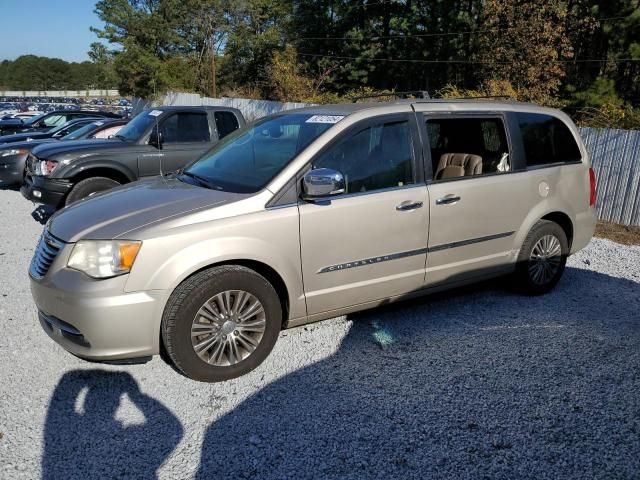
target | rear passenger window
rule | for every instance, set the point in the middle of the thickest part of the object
(226, 122)
(463, 147)
(547, 140)
(186, 127)
(374, 158)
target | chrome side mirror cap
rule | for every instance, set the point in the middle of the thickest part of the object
(321, 183)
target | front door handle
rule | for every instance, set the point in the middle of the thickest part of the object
(447, 199)
(404, 206)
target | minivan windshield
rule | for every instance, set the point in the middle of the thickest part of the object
(246, 160)
(133, 130)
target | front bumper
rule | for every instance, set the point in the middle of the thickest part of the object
(95, 319)
(50, 191)
(12, 170)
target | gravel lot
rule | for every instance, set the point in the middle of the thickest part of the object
(479, 383)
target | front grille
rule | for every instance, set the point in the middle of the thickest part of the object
(30, 164)
(46, 252)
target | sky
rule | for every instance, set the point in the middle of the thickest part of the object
(49, 28)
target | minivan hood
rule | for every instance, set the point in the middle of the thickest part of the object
(133, 206)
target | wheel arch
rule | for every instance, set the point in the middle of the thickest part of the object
(268, 272)
(101, 171)
(564, 221)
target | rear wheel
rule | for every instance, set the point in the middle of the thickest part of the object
(542, 258)
(88, 187)
(221, 323)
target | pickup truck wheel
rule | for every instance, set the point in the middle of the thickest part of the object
(542, 258)
(89, 186)
(221, 323)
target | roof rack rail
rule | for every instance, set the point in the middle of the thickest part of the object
(478, 97)
(420, 94)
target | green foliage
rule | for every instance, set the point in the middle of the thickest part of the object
(30, 72)
(563, 53)
(602, 92)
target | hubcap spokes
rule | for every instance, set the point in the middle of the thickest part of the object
(228, 328)
(545, 259)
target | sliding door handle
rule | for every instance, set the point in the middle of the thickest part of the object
(447, 200)
(404, 206)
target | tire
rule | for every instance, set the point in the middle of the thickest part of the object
(204, 294)
(535, 274)
(89, 186)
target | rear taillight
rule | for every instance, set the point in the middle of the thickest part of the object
(592, 187)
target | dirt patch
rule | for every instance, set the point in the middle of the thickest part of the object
(618, 233)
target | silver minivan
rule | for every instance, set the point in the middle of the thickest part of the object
(310, 214)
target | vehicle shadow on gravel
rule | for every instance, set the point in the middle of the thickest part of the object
(479, 383)
(83, 439)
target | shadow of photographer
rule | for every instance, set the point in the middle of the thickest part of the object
(85, 440)
(477, 383)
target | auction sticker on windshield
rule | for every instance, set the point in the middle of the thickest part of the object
(155, 113)
(325, 119)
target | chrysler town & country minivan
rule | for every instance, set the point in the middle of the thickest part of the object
(310, 214)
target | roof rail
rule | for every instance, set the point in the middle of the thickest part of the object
(420, 94)
(479, 97)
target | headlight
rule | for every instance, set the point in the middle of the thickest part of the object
(14, 151)
(104, 258)
(45, 167)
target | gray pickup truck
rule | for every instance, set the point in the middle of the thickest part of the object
(159, 140)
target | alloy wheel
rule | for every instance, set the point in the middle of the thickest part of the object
(545, 260)
(228, 328)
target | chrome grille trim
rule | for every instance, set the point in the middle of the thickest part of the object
(44, 255)
(30, 164)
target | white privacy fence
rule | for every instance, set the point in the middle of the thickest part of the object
(615, 154)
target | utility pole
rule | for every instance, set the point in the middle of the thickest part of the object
(213, 67)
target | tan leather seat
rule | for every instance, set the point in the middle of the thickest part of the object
(458, 165)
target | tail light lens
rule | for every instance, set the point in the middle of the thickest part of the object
(592, 188)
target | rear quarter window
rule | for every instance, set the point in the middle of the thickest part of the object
(547, 140)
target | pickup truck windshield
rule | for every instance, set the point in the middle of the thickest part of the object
(133, 130)
(246, 160)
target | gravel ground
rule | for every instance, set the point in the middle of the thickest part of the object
(479, 383)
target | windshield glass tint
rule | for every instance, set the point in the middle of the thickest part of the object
(136, 127)
(33, 120)
(81, 132)
(246, 160)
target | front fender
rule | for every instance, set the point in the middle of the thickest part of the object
(76, 167)
(164, 262)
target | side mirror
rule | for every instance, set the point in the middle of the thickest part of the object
(321, 183)
(156, 139)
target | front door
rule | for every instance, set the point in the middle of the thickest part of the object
(186, 136)
(369, 243)
(479, 198)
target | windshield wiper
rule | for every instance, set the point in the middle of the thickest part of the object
(202, 181)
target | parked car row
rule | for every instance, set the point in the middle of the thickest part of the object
(24, 106)
(301, 216)
(16, 148)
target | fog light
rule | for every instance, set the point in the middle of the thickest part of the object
(37, 193)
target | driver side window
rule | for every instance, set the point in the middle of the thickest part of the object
(374, 158)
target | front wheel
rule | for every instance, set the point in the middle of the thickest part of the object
(88, 187)
(542, 258)
(221, 323)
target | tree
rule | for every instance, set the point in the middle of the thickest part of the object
(526, 44)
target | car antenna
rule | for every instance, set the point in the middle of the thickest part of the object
(158, 130)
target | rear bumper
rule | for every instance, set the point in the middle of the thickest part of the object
(50, 191)
(583, 229)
